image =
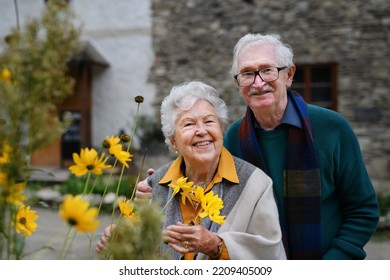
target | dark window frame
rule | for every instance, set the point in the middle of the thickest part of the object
(305, 83)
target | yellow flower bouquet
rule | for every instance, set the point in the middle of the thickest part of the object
(211, 204)
(137, 233)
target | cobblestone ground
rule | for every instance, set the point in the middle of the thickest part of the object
(52, 230)
(46, 242)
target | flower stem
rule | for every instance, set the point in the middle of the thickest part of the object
(86, 183)
(106, 187)
(17, 15)
(9, 233)
(72, 237)
(90, 245)
(93, 185)
(138, 176)
(134, 126)
(64, 251)
(162, 210)
(117, 193)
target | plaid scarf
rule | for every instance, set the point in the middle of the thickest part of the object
(301, 220)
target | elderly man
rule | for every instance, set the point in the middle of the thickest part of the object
(327, 205)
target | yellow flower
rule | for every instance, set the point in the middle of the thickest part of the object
(3, 177)
(186, 190)
(15, 194)
(25, 220)
(211, 206)
(111, 142)
(115, 149)
(127, 209)
(6, 75)
(88, 161)
(197, 195)
(76, 212)
(120, 155)
(181, 184)
(5, 153)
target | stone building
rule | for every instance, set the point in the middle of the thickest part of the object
(342, 53)
(146, 46)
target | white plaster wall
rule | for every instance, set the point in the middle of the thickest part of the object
(27, 9)
(121, 31)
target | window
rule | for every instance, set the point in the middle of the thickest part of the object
(67, 1)
(71, 139)
(317, 83)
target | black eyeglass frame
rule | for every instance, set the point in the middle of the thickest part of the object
(257, 73)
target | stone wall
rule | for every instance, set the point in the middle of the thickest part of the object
(194, 39)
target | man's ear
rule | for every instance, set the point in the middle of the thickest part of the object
(235, 81)
(290, 75)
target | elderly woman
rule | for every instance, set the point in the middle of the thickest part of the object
(193, 118)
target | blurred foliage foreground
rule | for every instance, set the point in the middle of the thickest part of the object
(33, 81)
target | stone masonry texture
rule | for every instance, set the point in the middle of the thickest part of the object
(194, 39)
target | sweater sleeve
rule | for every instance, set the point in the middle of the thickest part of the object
(230, 139)
(347, 190)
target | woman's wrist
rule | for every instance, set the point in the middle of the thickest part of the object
(217, 249)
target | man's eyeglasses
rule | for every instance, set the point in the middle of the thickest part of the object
(267, 75)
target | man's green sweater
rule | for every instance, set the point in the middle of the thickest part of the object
(349, 207)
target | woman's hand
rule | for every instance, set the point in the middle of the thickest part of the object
(187, 238)
(102, 243)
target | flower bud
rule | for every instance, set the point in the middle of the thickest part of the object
(106, 144)
(125, 138)
(10, 38)
(139, 99)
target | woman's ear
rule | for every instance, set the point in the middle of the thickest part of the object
(173, 143)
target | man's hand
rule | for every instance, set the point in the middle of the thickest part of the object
(143, 189)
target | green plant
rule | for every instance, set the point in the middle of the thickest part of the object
(36, 62)
(384, 204)
(72, 185)
(33, 81)
(137, 240)
(75, 185)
